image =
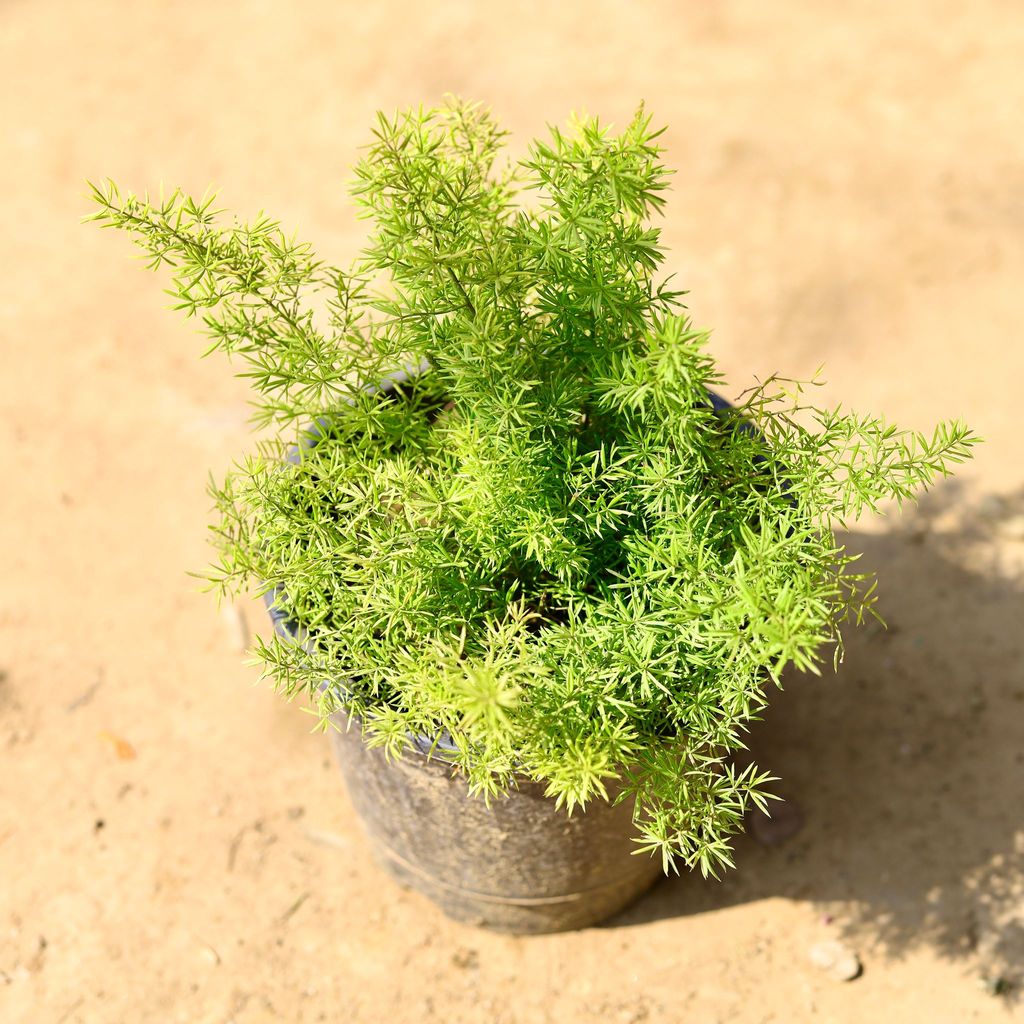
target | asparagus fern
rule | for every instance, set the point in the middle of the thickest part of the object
(548, 544)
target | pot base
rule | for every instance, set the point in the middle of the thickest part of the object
(519, 865)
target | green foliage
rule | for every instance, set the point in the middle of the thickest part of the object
(547, 544)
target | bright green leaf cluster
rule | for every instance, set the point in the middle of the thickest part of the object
(546, 547)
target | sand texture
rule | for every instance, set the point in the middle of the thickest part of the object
(175, 844)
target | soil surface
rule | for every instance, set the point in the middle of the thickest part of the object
(175, 844)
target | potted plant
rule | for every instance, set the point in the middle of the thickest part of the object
(542, 577)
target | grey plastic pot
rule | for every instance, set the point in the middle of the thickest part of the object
(518, 864)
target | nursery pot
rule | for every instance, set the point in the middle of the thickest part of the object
(517, 864)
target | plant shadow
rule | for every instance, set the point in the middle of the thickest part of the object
(907, 766)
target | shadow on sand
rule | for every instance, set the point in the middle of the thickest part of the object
(908, 766)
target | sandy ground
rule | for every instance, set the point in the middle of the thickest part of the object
(174, 844)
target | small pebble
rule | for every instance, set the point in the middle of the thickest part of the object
(835, 960)
(210, 955)
(124, 750)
